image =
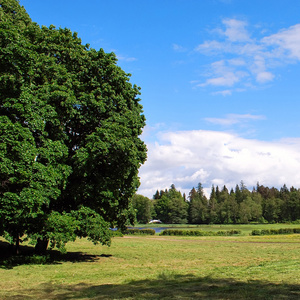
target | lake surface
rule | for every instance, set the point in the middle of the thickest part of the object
(157, 229)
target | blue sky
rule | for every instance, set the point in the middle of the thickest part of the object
(220, 83)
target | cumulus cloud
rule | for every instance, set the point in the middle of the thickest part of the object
(252, 60)
(236, 30)
(224, 74)
(263, 77)
(286, 40)
(186, 158)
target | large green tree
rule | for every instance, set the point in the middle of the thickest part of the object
(70, 122)
(198, 206)
(144, 208)
(171, 207)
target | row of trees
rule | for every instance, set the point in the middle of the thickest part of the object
(238, 206)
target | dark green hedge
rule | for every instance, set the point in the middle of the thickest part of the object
(275, 231)
(140, 231)
(117, 233)
(199, 232)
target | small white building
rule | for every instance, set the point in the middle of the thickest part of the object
(155, 221)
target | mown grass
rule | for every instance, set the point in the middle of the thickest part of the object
(158, 267)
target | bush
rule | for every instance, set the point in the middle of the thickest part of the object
(265, 232)
(228, 232)
(286, 231)
(117, 233)
(176, 232)
(146, 231)
(276, 231)
(256, 232)
(296, 221)
(234, 232)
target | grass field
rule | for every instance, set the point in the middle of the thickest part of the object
(157, 267)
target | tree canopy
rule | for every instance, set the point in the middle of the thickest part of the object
(70, 122)
(143, 207)
(239, 206)
(170, 206)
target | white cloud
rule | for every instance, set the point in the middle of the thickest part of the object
(252, 60)
(223, 93)
(210, 47)
(228, 79)
(237, 62)
(224, 74)
(235, 30)
(232, 119)
(126, 58)
(258, 68)
(186, 158)
(263, 77)
(287, 39)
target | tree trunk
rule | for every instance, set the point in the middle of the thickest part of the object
(41, 246)
(17, 249)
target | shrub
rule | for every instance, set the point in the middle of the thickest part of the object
(256, 232)
(117, 233)
(276, 231)
(296, 221)
(235, 231)
(132, 231)
(176, 232)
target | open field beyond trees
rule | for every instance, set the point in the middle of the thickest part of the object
(159, 267)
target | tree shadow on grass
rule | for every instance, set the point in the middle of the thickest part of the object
(167, 287)
(27, 256)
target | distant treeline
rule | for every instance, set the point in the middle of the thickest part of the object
(237, 206)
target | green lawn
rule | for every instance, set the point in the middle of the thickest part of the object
(159, 267)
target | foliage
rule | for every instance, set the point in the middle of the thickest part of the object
(146, 231)
(198, 209)
(177, 232)
(276, 231)
(170, 207)
(239, 206)
(70, 122)
(117, 233)
(143, 207)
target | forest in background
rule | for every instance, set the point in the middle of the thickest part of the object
(223, 206)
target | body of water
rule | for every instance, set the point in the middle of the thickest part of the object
(157, 229)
